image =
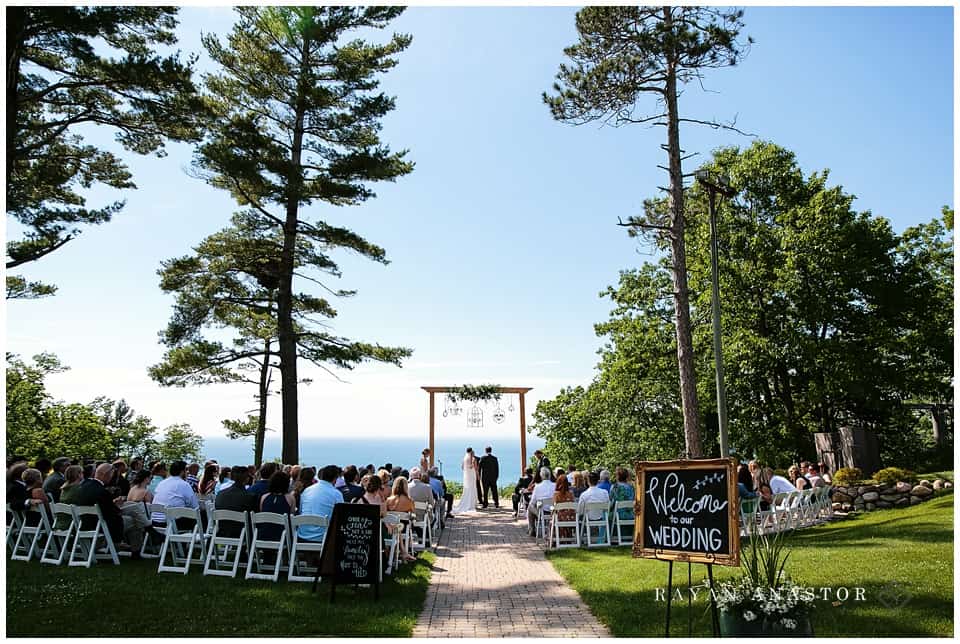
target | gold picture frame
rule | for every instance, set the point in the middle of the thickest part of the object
(640, 547)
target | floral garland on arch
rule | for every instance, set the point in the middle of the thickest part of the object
(474, 393)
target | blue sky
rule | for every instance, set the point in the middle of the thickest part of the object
(505, 233)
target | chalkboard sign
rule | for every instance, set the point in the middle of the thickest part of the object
(352, 551)
(688, 511)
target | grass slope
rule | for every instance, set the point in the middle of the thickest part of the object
(902, 558)
(133, 599)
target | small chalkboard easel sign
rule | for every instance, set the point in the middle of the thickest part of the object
(352, 551)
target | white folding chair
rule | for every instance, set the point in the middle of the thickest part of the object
(149, 549)
(556, 540)
(298, 570)
(14, 523)
(31, 537)
(827, 504)
(423, 541)
(543, 511)
(180, 543)
(223, 519)
(58, 543)
(392, 539)
(619, 524)
(438, 510)
(86, 541)
(280, 547)
(593, 516)
(805, 508)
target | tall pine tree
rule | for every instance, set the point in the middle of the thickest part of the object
(298, 122)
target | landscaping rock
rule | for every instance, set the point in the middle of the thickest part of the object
(837, 507)
(870, 497)
(903, 486)
(871, 506)
(902, 502)
(887, 489)
(867, 488)
(938, 484)
(846, 507)
(890, 498)
(914, 500)
(841, 497)
(921, 491)
(926, 483)
(884, 504)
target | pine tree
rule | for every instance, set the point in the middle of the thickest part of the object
(59, 80)
(625, 53)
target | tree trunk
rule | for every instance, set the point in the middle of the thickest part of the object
(264, 393)
(681, 294)
(15, 28)
(286, 334)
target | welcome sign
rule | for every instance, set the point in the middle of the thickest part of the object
(688, 511)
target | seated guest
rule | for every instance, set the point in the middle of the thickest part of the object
(139, 491)
(235, 498)
(294, 476)
(622, 490)
(33, 483)
(279, 501)
(559, 473)
(440, 489)
(542, 491)
(579, 484)
(94, 491)
(593, 494)
(604, 480)
(43, 465)
(420, 491)
(119, 485)
(260, 487)
(192, 479)
(208, 482)
(778, 484)
(766, 496)
(814, 475)
(319, 500)
(73, 477)
(563, 494)
(799, 480)
(825, 474)
(521, 488)
(350, 489)
(745, 483)
(226, 479)
(385, 483)
(305, 478)
(136, 465)
(175, 492)
(400, 501)
(372, 495)
(17, 495)
(159, 472)
(570, 471)
(53, 483)
(757, 474)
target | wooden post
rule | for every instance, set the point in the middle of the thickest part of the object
(523, 434)
(432, 413)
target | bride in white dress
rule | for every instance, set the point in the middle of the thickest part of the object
(469, 499)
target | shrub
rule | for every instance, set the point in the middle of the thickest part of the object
(890, 475)
(847, 476)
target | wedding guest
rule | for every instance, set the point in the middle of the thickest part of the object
(425, 460)
(192, 471)
(119, 484)
(778, 484)
(175, 492)
(571, 469)
(235, 497)
(622, 490)
(814, 476)
(208, 482)
(384, 489)
(278, 500)
(135, 466)
(139, 490)
(226, 479)
(73, 477)
(745, 483)
(305, 479)
(260, 487)
(799, 480)
(400, 501)
(159, 473)
(542, 491)
(558, 473)
(350, 489)
(604, 480)
(33, 483)
(562, 494)
(319, 499)
(53, 483)
(579, 484)
(542, 461)
(95, 492)
(420, 490)
(43, 466)
(440, 489)
(825, 474)
(521, 488)
(593, 494)
(372, 494)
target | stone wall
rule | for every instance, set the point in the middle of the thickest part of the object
(866, 497)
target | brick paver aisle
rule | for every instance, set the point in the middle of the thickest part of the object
(491, 580)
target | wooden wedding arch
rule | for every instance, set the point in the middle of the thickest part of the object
(522, 391)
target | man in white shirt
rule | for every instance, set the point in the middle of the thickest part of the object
(593, 494)
(542, 491)
(778, 484)
(813, 475)
(174, 491)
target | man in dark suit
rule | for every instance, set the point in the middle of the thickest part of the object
(542, 461)
(94, 491)
(489, 473)
(521, 488)
(237, 499)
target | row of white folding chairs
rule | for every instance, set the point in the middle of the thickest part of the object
(28, 538)
(788, 511)
(594, 524)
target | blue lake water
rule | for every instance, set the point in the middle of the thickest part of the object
(403, 452)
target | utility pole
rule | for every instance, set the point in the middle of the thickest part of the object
(722, 187)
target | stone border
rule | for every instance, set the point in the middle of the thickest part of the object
(867, 497)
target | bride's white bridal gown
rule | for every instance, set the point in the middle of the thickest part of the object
(468, 502)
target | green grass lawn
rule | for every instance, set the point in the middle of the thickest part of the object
(902, 558)
(132, 599)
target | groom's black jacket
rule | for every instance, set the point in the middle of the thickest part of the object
(489, 468)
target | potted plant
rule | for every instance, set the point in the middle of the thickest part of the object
(764, 601)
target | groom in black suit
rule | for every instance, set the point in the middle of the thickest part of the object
(489, 473)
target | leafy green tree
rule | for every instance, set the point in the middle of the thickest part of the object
(628, 53)
(27, 399)
(69, 68)
(75, 431)
(179, 442)
(297, 121)
(128, 431)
